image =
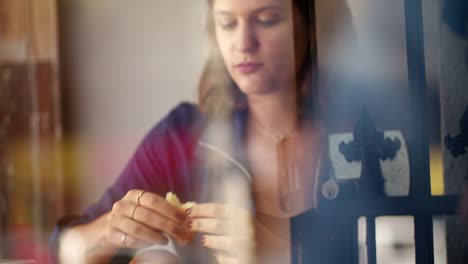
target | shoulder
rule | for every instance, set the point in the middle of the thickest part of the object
(185, 114)
(184, 117)
(180, 126)
(159, 159)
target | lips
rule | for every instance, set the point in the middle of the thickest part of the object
(248, 67)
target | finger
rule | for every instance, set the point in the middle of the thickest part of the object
(151, 219)
(159, 222)
(211, 226)
(124, 208)
(120, 239)
(222, 243)
(225, 259)
(213, 210)
(135, 229)
(157, 204)
(216, 226)
(231, 245)
(155, 257)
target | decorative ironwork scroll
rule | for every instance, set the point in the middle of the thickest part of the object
(456, 145)
(369, 146)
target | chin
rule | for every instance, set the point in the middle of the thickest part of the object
(255, 90)
(254, 87)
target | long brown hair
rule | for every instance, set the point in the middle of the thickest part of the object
(218, 94)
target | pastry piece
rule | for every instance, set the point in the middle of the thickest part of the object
(175, 201)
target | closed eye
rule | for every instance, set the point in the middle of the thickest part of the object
(269, 18)
(268, 22)
(227, 25)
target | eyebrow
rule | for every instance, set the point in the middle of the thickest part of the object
(258, 10)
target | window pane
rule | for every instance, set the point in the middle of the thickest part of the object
(447, 98)
(431, 20)
(440, 246)
(362, 231)
(450, 241)
(395, 240)
(363, 65)
(394, 171)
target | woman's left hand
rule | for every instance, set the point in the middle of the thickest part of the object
(228, 231)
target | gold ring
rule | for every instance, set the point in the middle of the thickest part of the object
(122, 240)
(133, 212)
(139, 196)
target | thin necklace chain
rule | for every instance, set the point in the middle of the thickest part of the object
(286, 174)
(276, 137)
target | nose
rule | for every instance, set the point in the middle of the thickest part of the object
(247, 40)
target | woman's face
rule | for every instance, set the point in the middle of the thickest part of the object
(256, 40)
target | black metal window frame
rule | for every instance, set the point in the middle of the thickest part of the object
(420, 203)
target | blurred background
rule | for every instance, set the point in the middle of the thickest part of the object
(82, 81)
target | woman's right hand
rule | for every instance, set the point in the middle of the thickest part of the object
(141, 219)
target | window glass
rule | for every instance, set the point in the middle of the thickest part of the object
(364, 75)
(395, 240)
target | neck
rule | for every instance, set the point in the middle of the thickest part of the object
(275, 112)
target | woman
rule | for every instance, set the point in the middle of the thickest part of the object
(247, 154)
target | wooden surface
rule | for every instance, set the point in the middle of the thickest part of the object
(30, 128)
(28, 29)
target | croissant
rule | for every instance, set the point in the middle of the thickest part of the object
(175, 201)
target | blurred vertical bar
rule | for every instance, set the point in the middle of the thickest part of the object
(370, 240)
(420, 173)
(30, 128)
(417, 82)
